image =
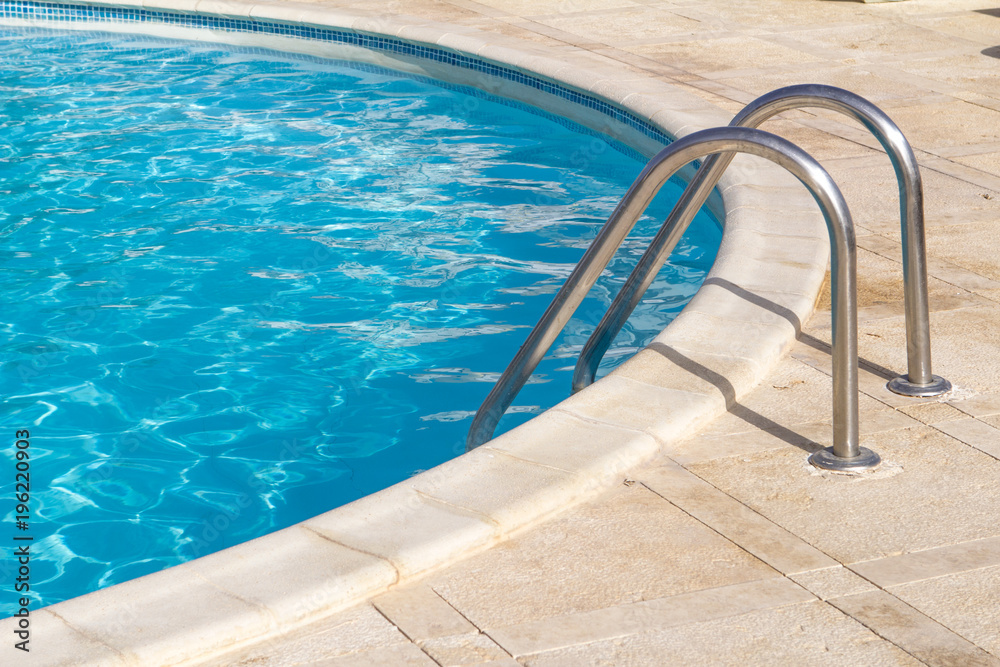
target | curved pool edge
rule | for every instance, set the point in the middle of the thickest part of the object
(738, 325)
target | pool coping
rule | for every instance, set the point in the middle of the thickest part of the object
(722, 344)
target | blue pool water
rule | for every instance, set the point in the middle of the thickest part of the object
(241, 289)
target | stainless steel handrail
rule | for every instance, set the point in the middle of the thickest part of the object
(846, 452)
(919, 380)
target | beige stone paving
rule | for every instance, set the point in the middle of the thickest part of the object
(732, 549)
(965, 602)
(607, 554)
(811, 633)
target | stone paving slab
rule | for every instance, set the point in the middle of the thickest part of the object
(422, 614)
(632, 546)
(931, 563)
(918, 634)
(730, 549)
(766, 540)
(809, 634)
(963, 601)
(932, 490)
(551, 634)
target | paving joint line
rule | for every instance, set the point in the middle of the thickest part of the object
(732, 541)
(473, 624)
(896, 258)
(395, 568)
(88, 635)
(877, 633)
(402, 632)
(919, 613)
(982, 451)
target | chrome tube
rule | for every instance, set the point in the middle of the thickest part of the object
(919, 380)
(649, 265)
(846, 451)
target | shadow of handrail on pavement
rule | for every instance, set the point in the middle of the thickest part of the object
(726, 388)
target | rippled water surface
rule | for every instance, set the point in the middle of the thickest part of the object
(241, 289)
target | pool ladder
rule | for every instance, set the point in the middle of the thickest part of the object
(719, 146)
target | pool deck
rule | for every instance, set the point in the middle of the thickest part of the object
(730, 548)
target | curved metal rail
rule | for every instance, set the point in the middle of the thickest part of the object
(919, 380)
(846, 452)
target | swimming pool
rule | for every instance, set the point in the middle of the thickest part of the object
(229, 264)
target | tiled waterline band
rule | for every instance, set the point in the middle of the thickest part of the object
(43, 11)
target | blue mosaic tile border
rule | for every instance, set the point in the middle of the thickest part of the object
(31, 10)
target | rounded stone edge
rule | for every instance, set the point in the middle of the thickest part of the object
(673, 111)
